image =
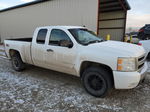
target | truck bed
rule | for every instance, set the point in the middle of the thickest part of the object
(22, 45)
(27, 39)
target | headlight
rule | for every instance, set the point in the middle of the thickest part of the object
(126, 64)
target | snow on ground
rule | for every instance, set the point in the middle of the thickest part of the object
(1, 47)
(2, 53)
(41, 90)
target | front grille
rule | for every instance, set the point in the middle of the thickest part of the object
(140, 59)
(140, 66)
(140, 62)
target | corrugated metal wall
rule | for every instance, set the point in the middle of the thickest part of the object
(21, 22)
(114, 27)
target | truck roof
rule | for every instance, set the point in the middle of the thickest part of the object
(63, 27)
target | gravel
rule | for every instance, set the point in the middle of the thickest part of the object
(41, 90)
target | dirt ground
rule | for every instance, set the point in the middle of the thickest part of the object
(41, 90)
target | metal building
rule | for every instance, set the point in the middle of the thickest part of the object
(102, 16)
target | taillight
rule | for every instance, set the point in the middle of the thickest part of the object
(141, 30)
(139, 44)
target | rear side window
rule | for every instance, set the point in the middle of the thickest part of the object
(41, 36)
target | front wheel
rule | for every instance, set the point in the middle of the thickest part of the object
(97, 81)
(148, 56)
(17, 62)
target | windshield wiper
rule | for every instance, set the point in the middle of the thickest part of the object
(94, 41)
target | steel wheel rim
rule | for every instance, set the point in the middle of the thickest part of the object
(16, 63)
(96, 82)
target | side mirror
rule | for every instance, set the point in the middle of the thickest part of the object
(66, 43)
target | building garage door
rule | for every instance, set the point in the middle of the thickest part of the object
(112, 19)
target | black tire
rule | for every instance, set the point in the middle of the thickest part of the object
(148, 56)
(97, 81)
(17, 62)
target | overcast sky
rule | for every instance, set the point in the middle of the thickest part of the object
(9, 3)
(138, 16)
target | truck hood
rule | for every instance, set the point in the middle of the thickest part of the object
(120, 49)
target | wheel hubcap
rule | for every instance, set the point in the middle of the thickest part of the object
(95, 82)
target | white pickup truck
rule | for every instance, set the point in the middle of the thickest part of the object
(101, 65)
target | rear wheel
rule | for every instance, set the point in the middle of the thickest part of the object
(17, 62)
(97, 81)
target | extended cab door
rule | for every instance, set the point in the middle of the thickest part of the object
(39, 47)
(62, 58)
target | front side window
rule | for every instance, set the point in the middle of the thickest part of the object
(41, 36)
(84, 36)
(58, 35)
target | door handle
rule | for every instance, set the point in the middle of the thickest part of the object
(50, 50)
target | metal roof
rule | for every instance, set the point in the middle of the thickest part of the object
(125, 3)
(114, 5)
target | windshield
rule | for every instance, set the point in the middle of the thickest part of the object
(85, 37)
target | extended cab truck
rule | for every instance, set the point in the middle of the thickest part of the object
(101, 65)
